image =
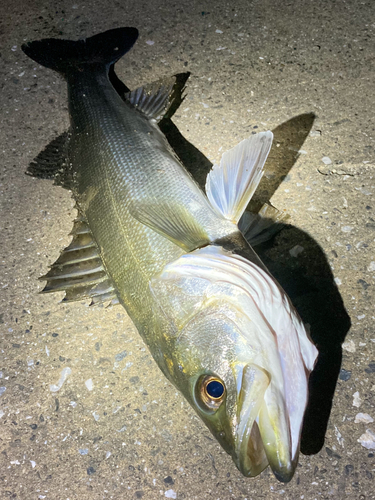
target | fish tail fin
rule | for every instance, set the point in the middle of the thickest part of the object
(64, 56)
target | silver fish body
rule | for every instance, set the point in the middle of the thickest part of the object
(218, 325)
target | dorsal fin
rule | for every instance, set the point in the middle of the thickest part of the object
(261, 227)
(79, 270)
(155, 99)
(231, 184)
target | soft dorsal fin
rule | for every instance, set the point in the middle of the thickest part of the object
(154, 99)
(79, 270)
(231, 184)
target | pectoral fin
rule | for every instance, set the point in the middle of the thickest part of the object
(231, 184)
(173, 222)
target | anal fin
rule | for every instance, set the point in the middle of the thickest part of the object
(79, 270)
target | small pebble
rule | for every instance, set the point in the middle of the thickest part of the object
(65, 372)
(367, 440)
(371, 368)
(170, 494)
(89, 384)
(120, 356)
(326, 160)
(315, 133)
(349, 346)
(357, 401)
(296, 250)
(363, 417)
(345, 375)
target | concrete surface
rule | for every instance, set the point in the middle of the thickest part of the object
(116, 429)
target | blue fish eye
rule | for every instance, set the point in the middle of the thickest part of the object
(215, 389)
(209, 392)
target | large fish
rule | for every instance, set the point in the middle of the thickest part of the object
(219, 326)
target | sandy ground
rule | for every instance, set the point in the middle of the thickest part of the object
(117, 429)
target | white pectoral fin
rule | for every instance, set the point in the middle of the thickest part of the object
(231, 184)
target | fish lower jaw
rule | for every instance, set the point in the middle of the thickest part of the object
(251, 458)
(259, 443)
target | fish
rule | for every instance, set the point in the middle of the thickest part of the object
(219, 326)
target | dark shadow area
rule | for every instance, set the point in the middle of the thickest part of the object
(288, 140)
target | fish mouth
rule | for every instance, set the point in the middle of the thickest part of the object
(262, 436)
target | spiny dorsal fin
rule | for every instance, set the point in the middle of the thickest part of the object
(231, 184)
(260, 227)
(155, 99)
(79, 270)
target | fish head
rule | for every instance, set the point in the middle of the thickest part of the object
(223, 385)
(239, 354)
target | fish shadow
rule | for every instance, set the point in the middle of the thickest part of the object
(307, 278)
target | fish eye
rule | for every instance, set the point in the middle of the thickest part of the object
(210, 392)
(215, 389)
